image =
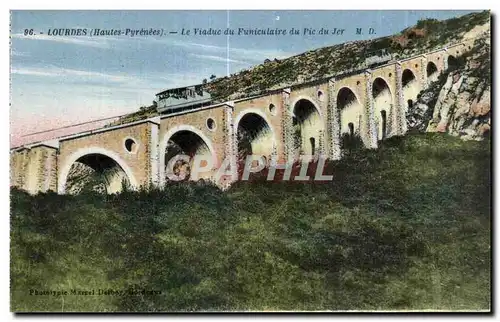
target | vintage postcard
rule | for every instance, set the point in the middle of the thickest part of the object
(250, 161)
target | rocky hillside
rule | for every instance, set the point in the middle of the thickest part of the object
(327, 61)
(459, 102)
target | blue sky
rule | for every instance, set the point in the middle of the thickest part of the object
(57, 81)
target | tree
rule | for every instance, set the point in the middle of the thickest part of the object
(213, 77)
(204, 81)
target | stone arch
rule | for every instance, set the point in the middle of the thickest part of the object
(382, 106)
(254, 134)
(308, 124)
(97, 159)
(411, 87)
(350, 109)
(307, 98)
(185, 140)
(408, 77)
(452, 62)
(432, 72)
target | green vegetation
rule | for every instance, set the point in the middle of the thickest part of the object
(406, 226)
(143, 113)
(350, 143)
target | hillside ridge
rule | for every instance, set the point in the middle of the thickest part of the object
(425, 36)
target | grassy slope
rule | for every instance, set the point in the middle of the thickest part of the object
(403, 227)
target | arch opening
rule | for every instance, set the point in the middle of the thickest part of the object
(383, 116)
(185, 142)
(272, 109)
(408, 78)
(432, 72)
(382, 102)
(351, 129)
(350, 118)
(320, 96)
(411, 87)
(312, 141)
(211, 124)
(452, 62)
(254, 137)
(307, 125)
(350, 111)
(96, 172)
(130, 145)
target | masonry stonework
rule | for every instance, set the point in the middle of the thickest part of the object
(388, 75)
(268, 108)
(355, 113)
(343, 104)
(333, 123)
(112, 144)
(286, 125)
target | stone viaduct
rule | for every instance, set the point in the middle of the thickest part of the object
(308, 118)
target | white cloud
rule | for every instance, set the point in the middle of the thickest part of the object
(219, 59)
(239, 54)
(152, 82)
(173, 80)
(260, 54)
(92, 84)
(19, 53)
(197, 45)
(52, 71)
(255, 55)
(98, 42)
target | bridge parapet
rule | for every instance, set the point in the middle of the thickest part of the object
(140, 148)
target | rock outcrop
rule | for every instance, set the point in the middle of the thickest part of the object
(459, 102)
